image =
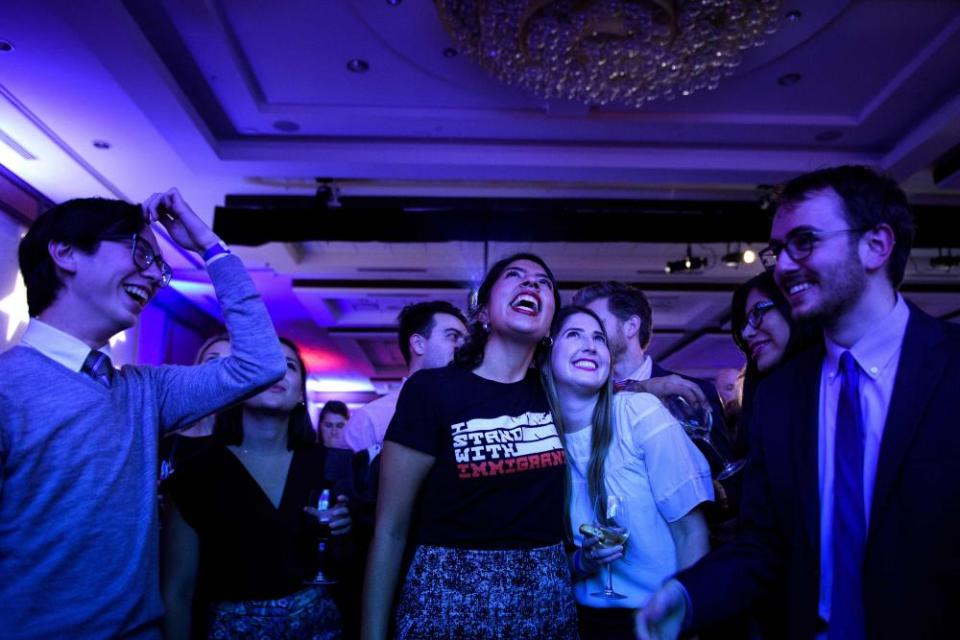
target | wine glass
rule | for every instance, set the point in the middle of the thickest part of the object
(697, 422)
(613, 525)
(320, 500)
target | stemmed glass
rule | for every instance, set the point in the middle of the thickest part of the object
(320, 500)
(614, 528)
(697, 422)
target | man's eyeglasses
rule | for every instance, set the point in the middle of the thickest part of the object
(755, 315)
(800, 246)
(144, 257)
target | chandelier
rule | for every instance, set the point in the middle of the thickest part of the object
(609, 51)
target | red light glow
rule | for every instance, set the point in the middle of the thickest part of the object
(319, 360)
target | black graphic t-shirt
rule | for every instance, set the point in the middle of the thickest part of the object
(497, 482)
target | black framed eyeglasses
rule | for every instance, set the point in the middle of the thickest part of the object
(144, 257)
(756, 313)
(799, 246)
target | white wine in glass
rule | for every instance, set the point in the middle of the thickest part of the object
(613, 526)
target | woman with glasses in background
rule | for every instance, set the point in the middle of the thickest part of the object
(767, 334)
(764, 330)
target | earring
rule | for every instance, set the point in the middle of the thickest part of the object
(547, 342)
(486, 327)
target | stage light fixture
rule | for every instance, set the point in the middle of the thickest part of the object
(734, 259)
(946, 262)
(687, 264)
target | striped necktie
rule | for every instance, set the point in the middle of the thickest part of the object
(98, 366)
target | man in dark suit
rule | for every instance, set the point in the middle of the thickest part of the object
(852, 498)
(628, 319)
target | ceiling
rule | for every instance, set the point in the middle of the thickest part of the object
(229, 98)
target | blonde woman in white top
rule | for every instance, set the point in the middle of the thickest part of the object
(630, 446)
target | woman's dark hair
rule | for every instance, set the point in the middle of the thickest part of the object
(470, 355)
(602, 433)
(300, 432)
(800, 334)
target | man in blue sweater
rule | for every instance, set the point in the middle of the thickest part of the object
(78, 439)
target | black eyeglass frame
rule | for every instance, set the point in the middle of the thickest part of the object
(147, 257)
(800, 246)
(754, 317)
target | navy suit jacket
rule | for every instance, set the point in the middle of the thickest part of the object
(912, 563)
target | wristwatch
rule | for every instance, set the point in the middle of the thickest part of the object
(214, 250)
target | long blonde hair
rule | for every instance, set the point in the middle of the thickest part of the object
(600, 436)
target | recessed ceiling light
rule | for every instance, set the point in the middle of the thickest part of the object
(358, 65)
(287, 126)
(450, 52)
(789, 79)
(828, 136)
(794, 16)
(101, 144)
(5, 46)
(394, 3)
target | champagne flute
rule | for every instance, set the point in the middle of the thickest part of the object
(613, 525)
(320, 500)
(698, 422)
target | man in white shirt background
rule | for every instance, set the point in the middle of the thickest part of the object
(428, 334)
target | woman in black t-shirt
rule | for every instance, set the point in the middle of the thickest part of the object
(239, 520)
(474, 447)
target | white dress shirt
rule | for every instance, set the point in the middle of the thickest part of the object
(878, 355)
(57, 345)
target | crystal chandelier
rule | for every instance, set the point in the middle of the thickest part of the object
(603, 51)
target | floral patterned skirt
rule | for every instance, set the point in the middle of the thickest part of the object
(468, 594)
(309, 614)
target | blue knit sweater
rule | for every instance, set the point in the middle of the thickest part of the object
(78, 474)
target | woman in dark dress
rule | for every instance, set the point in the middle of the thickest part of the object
(240, 520)
(474, 447)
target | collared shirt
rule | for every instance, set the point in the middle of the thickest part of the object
(662, 476)
(643, 372)
(878, 355)
(59, 346)
(368, 424)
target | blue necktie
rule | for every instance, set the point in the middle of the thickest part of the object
(98, 366)
(849, 518)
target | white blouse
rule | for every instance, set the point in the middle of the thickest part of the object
(661, 474)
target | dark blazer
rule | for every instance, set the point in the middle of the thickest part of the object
(912, 561)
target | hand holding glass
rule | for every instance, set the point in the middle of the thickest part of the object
(613, 528)
(320, 500)
(697, 422)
